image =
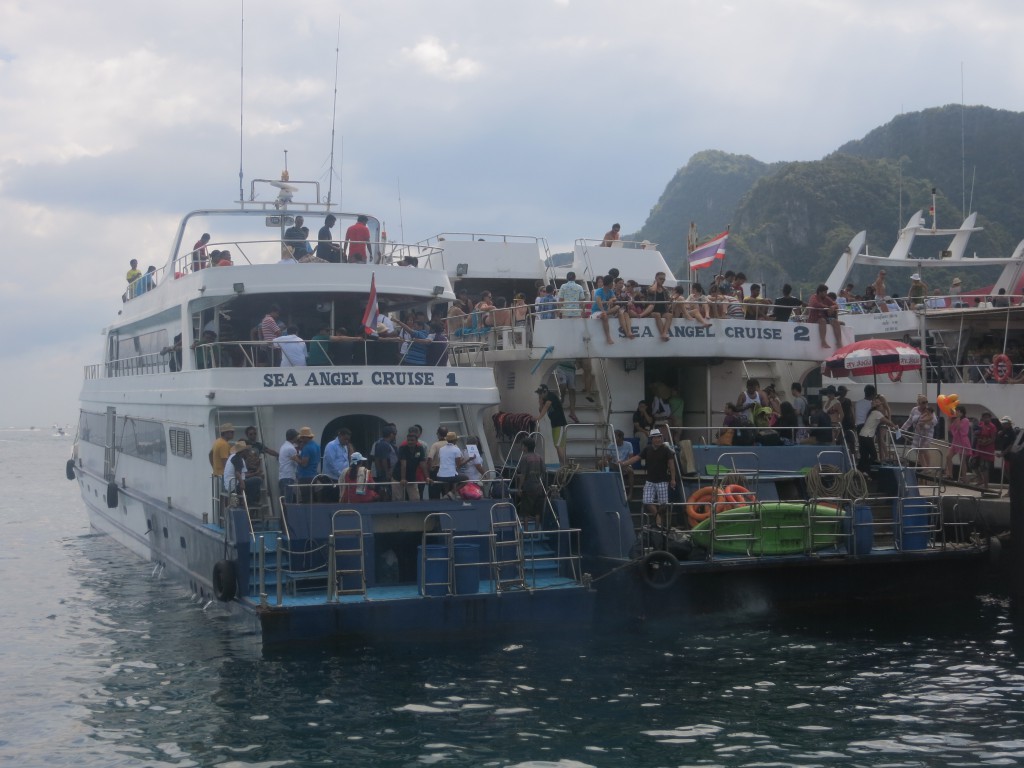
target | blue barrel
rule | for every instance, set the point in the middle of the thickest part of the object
(915, 524)
(432, 576)
(863, 530)
(467, 577)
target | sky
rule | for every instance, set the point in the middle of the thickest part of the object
(552, 118)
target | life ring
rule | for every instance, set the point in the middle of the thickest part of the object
(703, 500)
(659, 569)
(698, 506)
(69, 469)
(224, 581)
(895, 375)
(740, 495)
(1002, 368)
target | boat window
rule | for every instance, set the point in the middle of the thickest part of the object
(141, 438)
(131, 355)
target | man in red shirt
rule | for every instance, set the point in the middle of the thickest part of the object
(357, 242)
(199, 256)
(822, 310)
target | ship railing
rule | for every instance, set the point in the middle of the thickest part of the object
(506, 556)
(272, 251)
(140, 365)
(264, 354)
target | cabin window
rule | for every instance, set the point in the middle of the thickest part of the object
(142, 353)
(142, 438)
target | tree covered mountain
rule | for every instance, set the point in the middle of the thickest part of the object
(790, 221)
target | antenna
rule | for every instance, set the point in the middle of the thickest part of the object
(401, 218)
(334, 116)
(963, 156)
(241, 103)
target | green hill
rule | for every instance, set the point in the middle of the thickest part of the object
(790, 221)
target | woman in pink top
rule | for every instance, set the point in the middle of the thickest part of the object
(959, 442)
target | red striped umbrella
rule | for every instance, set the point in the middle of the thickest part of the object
(871, 357)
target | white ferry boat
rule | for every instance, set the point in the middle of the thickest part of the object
(189, 356)
(762, 524)
(971, 322)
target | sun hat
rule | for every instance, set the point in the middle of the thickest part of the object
(227, 428)
(655, 433)
(1006, 420)
(306, 432)
(956, 281)
(915, 276)
(356, 457)
(241, 445)
(451, 437)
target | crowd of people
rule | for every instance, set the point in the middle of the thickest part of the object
(389, 471)
(867, 427)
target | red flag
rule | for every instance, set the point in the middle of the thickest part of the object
(372, 310)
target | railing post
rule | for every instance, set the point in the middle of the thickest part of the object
(332, 569)
(280, 571)
(261, 581)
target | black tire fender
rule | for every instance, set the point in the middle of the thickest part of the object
(112, 495)
(69, 469)
(225, 583)
(659, 569)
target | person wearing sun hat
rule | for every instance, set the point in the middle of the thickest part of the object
(918, 290)
(222, 449)
(308, 460)
(450, 459)
(659, 461)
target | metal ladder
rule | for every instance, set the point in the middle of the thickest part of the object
(346, 563)
(242, 418)
(443, 536)
(451, 417)
(506, 547)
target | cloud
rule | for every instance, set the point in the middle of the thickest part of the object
(540, 117)
(434, 59)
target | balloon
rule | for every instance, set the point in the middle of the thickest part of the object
(947, 404)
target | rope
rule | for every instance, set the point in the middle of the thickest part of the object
(565, 474)
(825, 480)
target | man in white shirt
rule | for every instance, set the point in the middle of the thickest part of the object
(336, 460)
(287, 455)
(293, 349)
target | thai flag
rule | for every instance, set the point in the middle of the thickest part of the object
(372, 310)
(705, 255)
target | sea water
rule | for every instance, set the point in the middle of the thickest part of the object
(103, 663)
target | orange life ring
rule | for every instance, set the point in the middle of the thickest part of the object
(1002, 368)
(702, 501)
(895, 375)
(697, 508)
(739, 493)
